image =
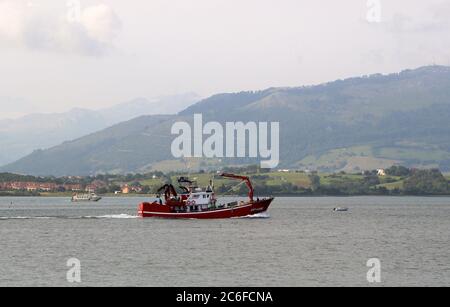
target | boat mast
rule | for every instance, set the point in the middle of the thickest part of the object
(169, 190)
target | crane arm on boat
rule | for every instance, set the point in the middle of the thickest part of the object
(244, 179)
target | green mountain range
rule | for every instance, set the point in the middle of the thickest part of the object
(353, 124)
(19, 137)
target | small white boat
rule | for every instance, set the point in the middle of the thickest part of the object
(339, 209)
(85, 197)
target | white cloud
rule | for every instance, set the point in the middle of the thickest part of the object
(101, 23)
(11, 17)
(22, 25)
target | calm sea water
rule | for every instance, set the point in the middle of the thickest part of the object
(301, 242)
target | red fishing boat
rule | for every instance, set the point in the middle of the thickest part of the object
(197, 203)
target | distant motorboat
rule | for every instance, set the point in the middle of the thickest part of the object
(85, 197)
(339, 209)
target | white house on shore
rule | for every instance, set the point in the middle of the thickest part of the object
(381, 172)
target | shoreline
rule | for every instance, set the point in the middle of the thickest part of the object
(243, 196)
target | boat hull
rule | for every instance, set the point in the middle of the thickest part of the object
(163, 211)
(90, 200)
(86, 201)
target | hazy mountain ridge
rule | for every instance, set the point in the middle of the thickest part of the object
(19, 137)
(347, 124)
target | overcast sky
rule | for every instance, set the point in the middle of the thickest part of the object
(54, 57)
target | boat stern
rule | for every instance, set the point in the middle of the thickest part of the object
(147, 209)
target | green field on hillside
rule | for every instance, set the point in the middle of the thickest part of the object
(273, 179)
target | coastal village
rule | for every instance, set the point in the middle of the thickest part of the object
(52, 187)
(396, 180)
